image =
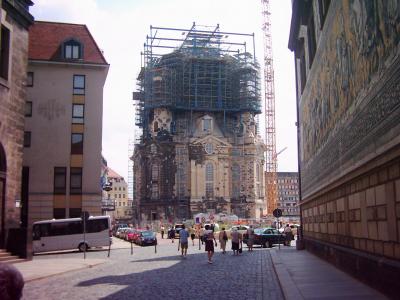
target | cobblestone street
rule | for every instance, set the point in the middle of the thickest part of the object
(162, 275)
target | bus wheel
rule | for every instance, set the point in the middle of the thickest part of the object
(82, 247)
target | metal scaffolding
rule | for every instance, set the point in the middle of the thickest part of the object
(197, 70)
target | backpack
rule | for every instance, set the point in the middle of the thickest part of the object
(225, 237)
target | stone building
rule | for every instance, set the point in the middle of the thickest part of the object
(348, 89)
(15, 21)
(288, 195)
(200, 150)
(64, 107)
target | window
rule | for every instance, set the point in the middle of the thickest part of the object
(302, 65)
(58, 213)
(78, 112)
(209, 180)
(77, 143)
(311, 40)
(235, 180)
(154, 172)
(29, 79)
(60, 180)
(28, 109)
(76, 181)
(323, 6)
(209, 172)
(27, 139)
(207, 124)
(4, 52)
(72, 50)
(79, 84)
(75, 213)
(98, 225)
(209, 148)
(154, 191)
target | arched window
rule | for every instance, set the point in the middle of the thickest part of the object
(154, 172)
(209, 180)
(72, 49)
(235, 180)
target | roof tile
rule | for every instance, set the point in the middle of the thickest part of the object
(45, 39)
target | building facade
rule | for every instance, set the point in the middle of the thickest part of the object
(64, 107)
(200, 150)
(118, 195)
(288, 195)
(348, 78)
(14, 21)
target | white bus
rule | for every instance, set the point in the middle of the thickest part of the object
(65, 234)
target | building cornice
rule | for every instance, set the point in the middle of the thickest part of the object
(19, 11)
(64, 63)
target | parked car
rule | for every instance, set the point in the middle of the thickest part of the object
(119, 231)
(132, 235)
(119, 226)
(266, 237)
(146, 238)
(123, 232)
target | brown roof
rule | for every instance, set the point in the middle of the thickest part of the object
(112, 173)
(46, 38)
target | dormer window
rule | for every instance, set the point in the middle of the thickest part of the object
(72, 49)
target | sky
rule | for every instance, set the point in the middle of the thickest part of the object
(120, 28)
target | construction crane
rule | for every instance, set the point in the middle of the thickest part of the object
(270, 133)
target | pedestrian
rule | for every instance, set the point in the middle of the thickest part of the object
(11, 282)
(202, 235)
(236, 239)
(209, 240)
(250, 238)
(183, 240)
(172, 234)
(162, 231)
(223, 237)
(288, 235)
(192, 235)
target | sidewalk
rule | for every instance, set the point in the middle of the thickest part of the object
(303, 275)
(42, 268)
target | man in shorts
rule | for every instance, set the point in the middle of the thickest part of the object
(183, 240)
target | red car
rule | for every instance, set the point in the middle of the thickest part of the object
(132, 235)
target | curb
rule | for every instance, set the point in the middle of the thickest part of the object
(288, 286)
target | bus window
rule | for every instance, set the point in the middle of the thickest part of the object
(96, 225)
(75, 227)
(59, 229)
(36, 232)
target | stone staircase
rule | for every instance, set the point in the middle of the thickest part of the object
(6, 257)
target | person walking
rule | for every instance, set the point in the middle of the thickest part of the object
(162, 231)
(192, 235)
(288, 235)
(172, 234)
(183, 240)
(222, 237)
(209, 240)
(250, 238)
(236, 239)
(202, 235)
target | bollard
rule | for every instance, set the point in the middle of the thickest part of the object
(109, 249)
(199, 243)
(131, 248)
(155, 248)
